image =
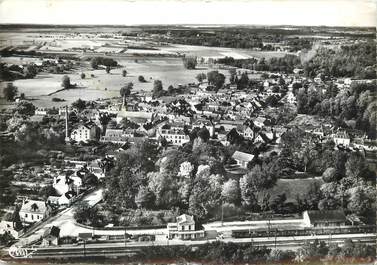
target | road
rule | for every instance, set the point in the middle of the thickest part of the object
(64, 220)
(68, 227)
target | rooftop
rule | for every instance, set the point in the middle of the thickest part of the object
(34, 206)
(327, 216)
(243, 156)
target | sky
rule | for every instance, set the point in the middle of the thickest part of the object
(246, 12)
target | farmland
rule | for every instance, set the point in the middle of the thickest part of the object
(169, 70)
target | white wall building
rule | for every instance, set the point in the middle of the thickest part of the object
(34, 211)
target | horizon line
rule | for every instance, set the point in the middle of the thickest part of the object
(182, 24)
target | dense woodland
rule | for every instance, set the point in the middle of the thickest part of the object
(193, 179)
(234, 38)
(357, 60)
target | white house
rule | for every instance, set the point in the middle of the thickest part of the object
(85, 133)
(247, 133)
(7, 225)
(40, 111)
(174, 135)
(342, 138)
(61, 184)
(67, 198)
(184, 228)
(242, 158)
(34, 211)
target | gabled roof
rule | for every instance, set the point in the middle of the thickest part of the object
(53, 231)
(326, 216)
(185, 218)
(32, 206)
(242, 156)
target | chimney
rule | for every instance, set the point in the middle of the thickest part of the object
(66, 125)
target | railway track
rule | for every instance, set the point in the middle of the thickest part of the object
(113, 250)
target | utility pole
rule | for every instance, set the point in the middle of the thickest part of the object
(84, 248)
(222, 213)
(125, 237)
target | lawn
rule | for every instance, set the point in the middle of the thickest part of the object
(294, 187)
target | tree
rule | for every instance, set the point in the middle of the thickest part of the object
(85, 214)
(216, 79)
(205, 196)
(189, 62)
(79, 104)
(94, 63)
(125, 91)
(356, 166)
(204, 134)
(66, 82)
(360, 201)
(243, 82)
(31, 70)
(278, 202)
(231, 191)
(25, 108)
(144, 198)
(171, 90)
(104, 118)
(157, 88)
(141, 79)
(329, 175)
(200, 77)
(165, 189)
(247, 191)
(10, 91)
(302, 101)
(47, 191)
(82, 75)
(124, 72)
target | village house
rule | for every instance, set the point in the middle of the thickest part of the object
(200, 123)
(117, 136)
(245, 131)
(85, 132)
(34, 211)
(242, 158)
(8, 225)
(51, 236)
(40, 111)
(342, 138)
(53, 200)
(63, 184)
(67, 198)
(184, 228)
(173, 135)
(324, 218)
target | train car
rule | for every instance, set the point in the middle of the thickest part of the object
(308, 231)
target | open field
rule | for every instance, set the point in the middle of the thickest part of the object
(169, 70)
(219, 52)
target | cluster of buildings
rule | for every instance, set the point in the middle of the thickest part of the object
(67, 186)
